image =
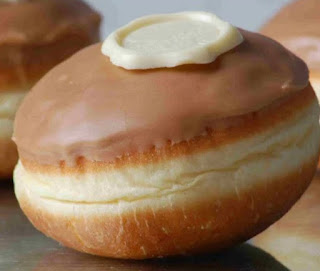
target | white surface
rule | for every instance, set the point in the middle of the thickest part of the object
(170, 40)
(248, 14)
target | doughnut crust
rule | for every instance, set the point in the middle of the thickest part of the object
(203, 194)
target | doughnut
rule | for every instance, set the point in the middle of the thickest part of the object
(296, 27)
(126, 154)
(34, 37)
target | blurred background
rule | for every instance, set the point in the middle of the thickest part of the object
(248, 14)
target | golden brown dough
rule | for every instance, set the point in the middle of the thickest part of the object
(143, 164)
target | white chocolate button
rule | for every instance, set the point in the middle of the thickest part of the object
(171, 40)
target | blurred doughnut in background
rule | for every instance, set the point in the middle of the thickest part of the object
(34, 37)
(297, 27)
(295, 239)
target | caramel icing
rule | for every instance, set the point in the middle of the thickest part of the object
(297, 26)
(43, 21)
(87, 107)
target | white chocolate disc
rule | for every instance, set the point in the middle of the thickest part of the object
(171, 40)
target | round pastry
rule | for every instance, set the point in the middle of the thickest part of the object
(296, 27)
(295, 239)
(180, 134)
(35, 35)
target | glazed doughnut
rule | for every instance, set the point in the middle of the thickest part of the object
(296, 26)
(163, 161)
(34, 37)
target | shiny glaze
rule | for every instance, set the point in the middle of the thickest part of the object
(87, 107)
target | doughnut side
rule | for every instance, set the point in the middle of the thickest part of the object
(202, 195)
(294, 240)
(188, 227)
